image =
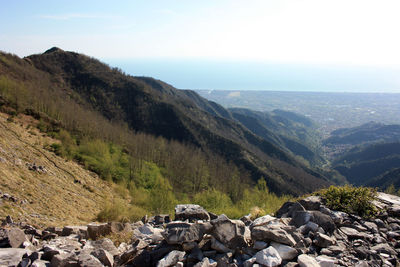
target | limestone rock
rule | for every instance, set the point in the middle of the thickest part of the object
(231, 233)
(11, 256)
(285, 252)
(273, 233)
(324, 241)
(104, 256)
(269, 257)
(171, 259)
(307, 261)
(191, 212)
(13, 237)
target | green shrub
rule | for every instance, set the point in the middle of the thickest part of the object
(349, 199)
(118, 210)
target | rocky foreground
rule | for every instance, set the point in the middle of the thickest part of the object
(303, 233)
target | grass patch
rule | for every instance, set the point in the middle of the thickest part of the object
(349, 199)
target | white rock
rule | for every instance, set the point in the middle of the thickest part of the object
(307, 261)
(259, 245)
(286, 252)
(171, 259)
(268, 257)
(325, 261)
(262, 220)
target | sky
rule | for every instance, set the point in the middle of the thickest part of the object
(352, 35)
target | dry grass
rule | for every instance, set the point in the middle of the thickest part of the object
(66, 194)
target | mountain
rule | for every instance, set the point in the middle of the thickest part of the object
(155, 107)
(368, 133)
(292, 132)
(370, 165)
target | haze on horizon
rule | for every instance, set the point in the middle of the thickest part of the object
(307, 45)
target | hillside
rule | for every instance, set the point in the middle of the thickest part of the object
(57, 191)
(106, 95)
(368, 165)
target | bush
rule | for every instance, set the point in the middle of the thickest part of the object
(118, 210)
(349, 199)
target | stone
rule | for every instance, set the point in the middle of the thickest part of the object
(103, 256)
(285, 252)
(268, 257)
(77, 230)
(13, 237)
(300, 218)
(11, 256)
(171, 259)
(249, 262)
(161, 218)
(104, 243)
(88, 260)
(231, 233)
(284, 210)
(65, 260)
(148, 232)
(259, 245)
(182, 232)
(325, 261)
(95, 230)
(191, 212)
(206, 262)
(324, 241)
(323, 220)
(40, 263)
(384, 248)
(262, 221)
(245, 219)
(311, 202)
(352, 233)
(272, 233)
(307, 261)
(218, 246)
(294, 208)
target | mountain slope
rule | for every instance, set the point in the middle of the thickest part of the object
(60, 193)
(154, 107)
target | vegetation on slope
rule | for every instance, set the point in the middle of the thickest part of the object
(155, 173)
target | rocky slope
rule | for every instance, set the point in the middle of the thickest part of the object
(303, 233)
(41, 188)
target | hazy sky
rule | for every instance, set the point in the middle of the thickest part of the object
(357, 32)
(221, 44)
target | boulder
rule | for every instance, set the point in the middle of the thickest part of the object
(286, 252)
(103, 256)
(307, 261)
(77, 230)
(259, 245)
(148, 233)
(268, 257)
(182, 232)
(206, 262)
(64, 260)
(311, 202)
(352, 233)
(275, 233)
(323, 220)
(262, 221)
(324, 241)
(85, 259)
(284, 210)
(191, 212)
(11, 256)
(171, 259)
(325, 261)
(300, 218)
(13, 237)
(95, 230)
(231, 233)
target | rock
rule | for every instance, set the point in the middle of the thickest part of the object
(268, 257)
(182, 232)
(311, 202)
(259, 245)
(285, 252)
(323, 220)
(262, 221)
(384, 248)
(324, 241)
(352, 233)
(105, 244)
(272, 233)
(191, 212)
(65, 260)
(307, 261)
(96, 230)
(245, 219)
(218, 246)
(89, 260)
(148, 232)
(325, 261)
(162, 218)
(300, 218)
(103, 256)
(11, 256)
(40, 263)
(249, 262)
(284, 210)
(231, 233)
(394, 211)
(206, 263)
(171, 259)
(294, 208)
(82, 231)
(13, 237)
